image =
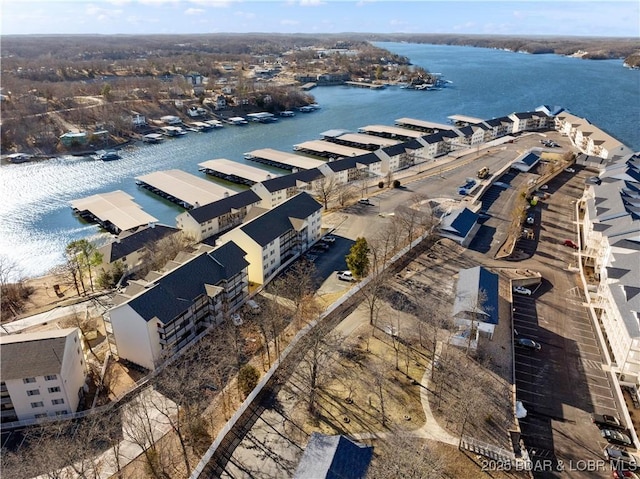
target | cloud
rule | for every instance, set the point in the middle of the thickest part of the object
(247, 15)
(215, 3)
(194, 11)
(102, 14)
(306, 3)
(289, 22)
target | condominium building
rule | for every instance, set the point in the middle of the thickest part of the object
(43, 374)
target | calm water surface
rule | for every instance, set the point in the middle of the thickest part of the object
(36, 221)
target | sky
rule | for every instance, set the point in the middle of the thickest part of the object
(522, 17)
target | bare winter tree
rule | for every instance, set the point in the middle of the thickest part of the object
(314, 367)
(402, 455)
(327, 190)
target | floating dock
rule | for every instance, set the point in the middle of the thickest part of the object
(327, 149)
(236, 172)
(359, 140)
(394, 132)
(427, 127)
(360, 84)
(283, 160)
(115, 211)
(182, 188)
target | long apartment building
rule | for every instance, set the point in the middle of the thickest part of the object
(611, 252)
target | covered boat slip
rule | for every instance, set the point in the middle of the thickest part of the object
(391, 132)
(115, 211)
(236, 172)
(183, 188)
(421, 125)
(328, 150)
(359, 140)
(461, 120)
(283, 160)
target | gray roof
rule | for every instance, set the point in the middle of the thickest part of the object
(477, 292)
(224, 206)
(28, 355)
(127, 243)
(176, 291)
(274, 223)
(333, 457)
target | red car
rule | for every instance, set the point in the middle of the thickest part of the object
(570, 244)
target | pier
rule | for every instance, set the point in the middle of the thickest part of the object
(370, 86)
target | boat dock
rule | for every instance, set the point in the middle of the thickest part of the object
(115, 211)
(428, 127)
(395, 132)
(236, 172)
(359, 140)
(360, 84)
(182, 188)
(283, 160)
(327, 149)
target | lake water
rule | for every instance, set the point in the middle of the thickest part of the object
(36, 221)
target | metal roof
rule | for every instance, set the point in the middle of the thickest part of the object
(465, 119)
(116, 207)
(236, 172)
(283, 159)
(325, 148)
(391, 130)
(186, 187)
(367, 140)
(429, 125)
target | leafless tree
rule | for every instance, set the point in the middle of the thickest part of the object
(327, 189)
(315, 365)
(13, 291)
(402, 455)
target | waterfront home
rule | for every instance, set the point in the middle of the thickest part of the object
(43, 374)
(275, 237)
(530, 121)
(154, 319)
(78, 138)
(209, 220)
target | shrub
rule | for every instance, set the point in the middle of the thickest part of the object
(248, 379)
(396, 183)
(380, 184)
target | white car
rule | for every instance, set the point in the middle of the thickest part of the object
(544, 187)
(346, 276)
(569, 170)
(522, 290)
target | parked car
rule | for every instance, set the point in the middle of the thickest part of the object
(530, 220)
(329, 239)
(607, 421)
(544, 187)
(345, 276)
(619, 456)
(320, 246)
(570, 243)
(365, 201)
(522, 290)
(528, 343)
(624, 474)
(251, 306)
(616, 437)
(569, 170)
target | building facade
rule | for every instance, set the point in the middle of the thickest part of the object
(43, 374)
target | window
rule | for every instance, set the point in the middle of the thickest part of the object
(57, 401)
(55, 389)
(29, 380)
(33, 392)
(41, 415)
(51, 377)
(61, 413)
(37, 404)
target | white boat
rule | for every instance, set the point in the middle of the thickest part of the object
(152, 138)
(287, 113)
(238, 120)
(306, 109)
(215, 123)
(107, 155)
